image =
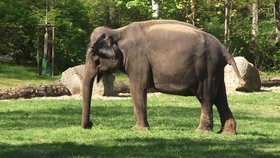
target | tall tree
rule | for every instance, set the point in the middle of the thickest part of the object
(255, 20)
(155, 9)
(192, 3)
(255, 31)
(227, 5)
(107, 15)
(190, 15)
(277, 22)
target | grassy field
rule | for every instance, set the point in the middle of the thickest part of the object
(51, 128)
(12, 76)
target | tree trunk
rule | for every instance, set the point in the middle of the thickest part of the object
(227, 23)
(255, 32)
(190, 17)
(255, 29)
(155, 9)
(193, 11)
(277, 22)
(107, 15)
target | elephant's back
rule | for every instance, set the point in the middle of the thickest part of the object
(171, 29)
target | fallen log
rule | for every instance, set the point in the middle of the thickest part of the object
(52, 90)
(270, 82)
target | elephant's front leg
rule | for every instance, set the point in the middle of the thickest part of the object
(139, 100)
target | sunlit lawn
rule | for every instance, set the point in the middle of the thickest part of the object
(12, 76)
(51, 128)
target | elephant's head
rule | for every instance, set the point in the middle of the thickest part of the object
(104, 51)
(103, 57)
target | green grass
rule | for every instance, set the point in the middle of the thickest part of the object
(269, 74)
(51, 128)
(121, 76)
(12, 76)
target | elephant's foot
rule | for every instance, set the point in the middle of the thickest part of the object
(205, 126)
(88, 125)
(229, 127)
(140, 127)
(203, 129)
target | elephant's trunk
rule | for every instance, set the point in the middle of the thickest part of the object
(87, 84)
(87, 93)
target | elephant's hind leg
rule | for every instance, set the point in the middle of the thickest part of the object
(228, 124)
(206, 116)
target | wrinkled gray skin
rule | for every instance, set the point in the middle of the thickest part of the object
(171, 56)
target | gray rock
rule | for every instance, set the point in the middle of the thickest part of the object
(72, 79)
(105, 87)
(248, 73)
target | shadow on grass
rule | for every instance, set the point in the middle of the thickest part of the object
(146, 147)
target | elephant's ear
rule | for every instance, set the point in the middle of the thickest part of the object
(98, 43)
(104, 47)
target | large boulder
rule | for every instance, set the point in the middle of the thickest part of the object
(72, 79)
(249, 74)
(105, 87)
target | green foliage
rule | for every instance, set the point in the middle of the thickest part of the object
(241, 38)
(173, 10)
(48, 128)
(72, 32)
(265, 44)
(16, 29)
(19, 20)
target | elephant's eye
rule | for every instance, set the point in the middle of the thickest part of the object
(100, 44)
(97, 62)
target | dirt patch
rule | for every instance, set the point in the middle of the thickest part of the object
(271, 89)
(120, 96)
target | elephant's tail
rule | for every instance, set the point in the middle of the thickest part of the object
(230, 60)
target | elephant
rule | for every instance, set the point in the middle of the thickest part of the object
(171, 56)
